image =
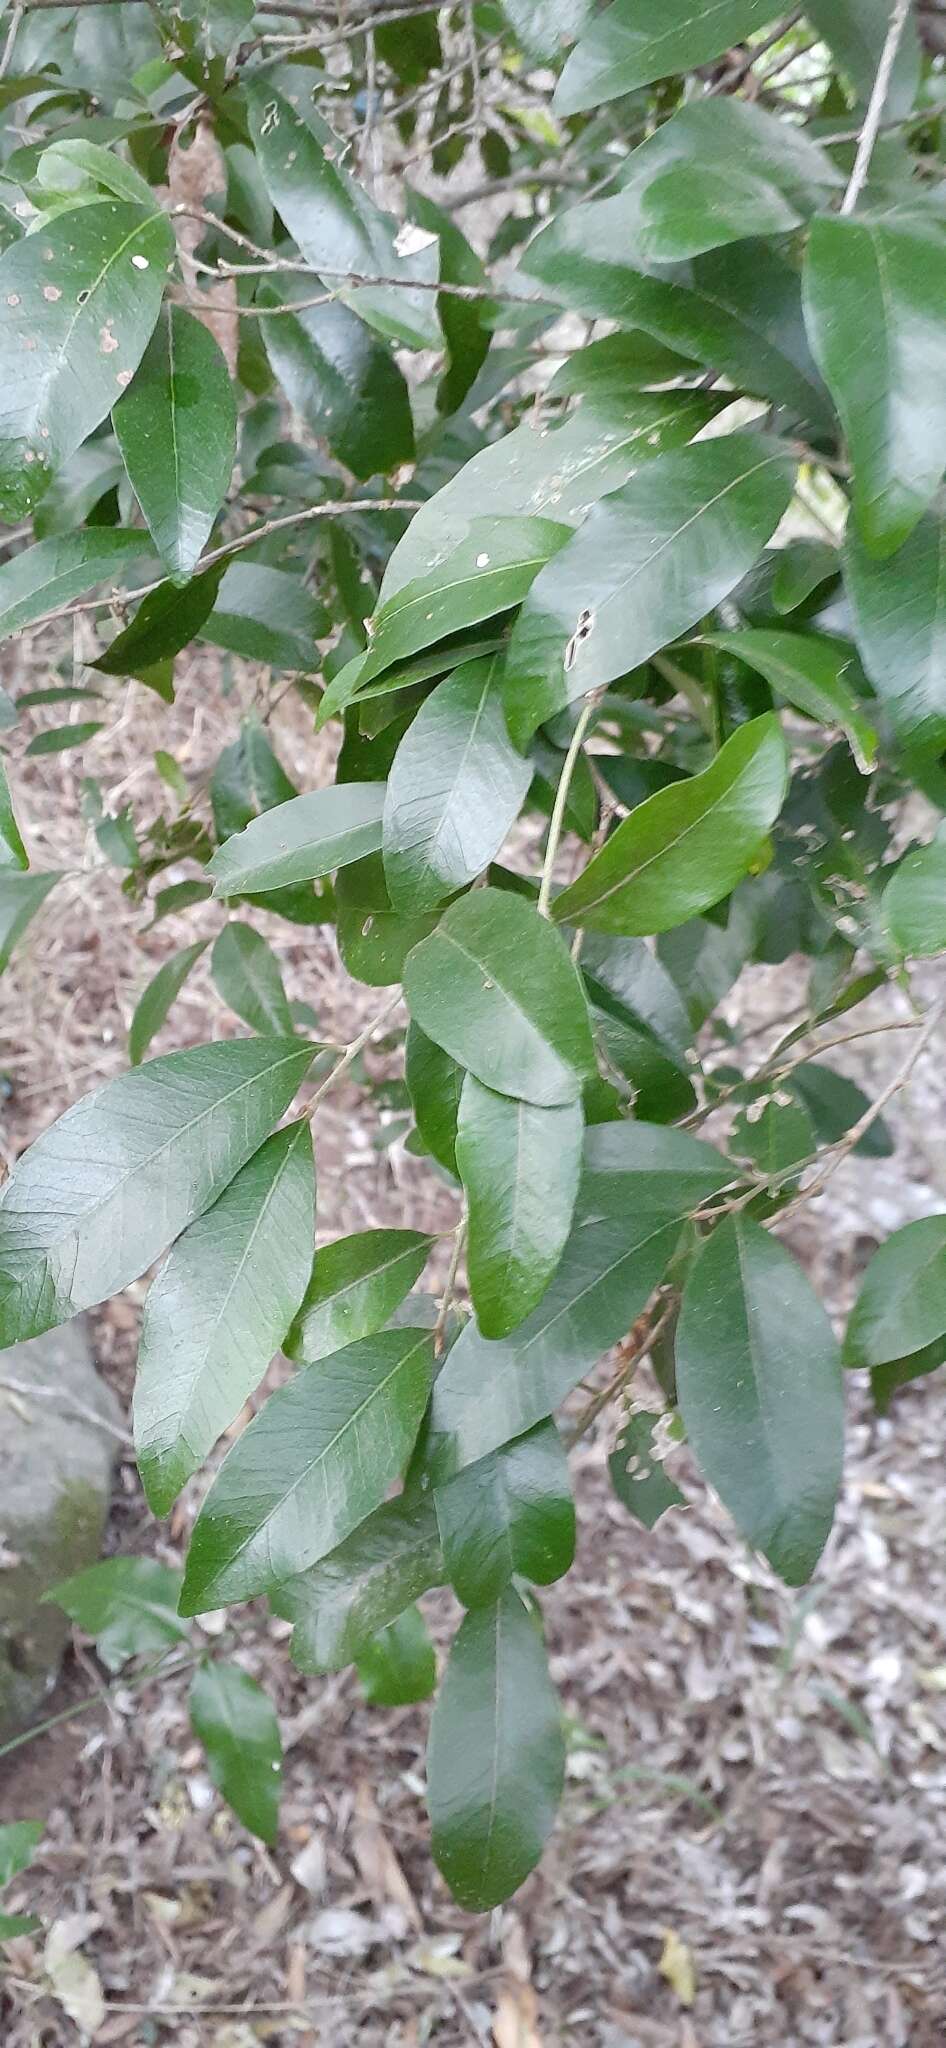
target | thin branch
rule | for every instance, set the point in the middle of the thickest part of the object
(351, 1053)
(459, 1240)
(864, 1123)
(635, 1347)
(15, 20)
(876, 104)
(559, 807)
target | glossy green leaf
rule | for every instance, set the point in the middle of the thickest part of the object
(360, 1588)
(900, 627)
(648, 563)
(684, 848)
(309, 836)
(127, 1604)
(495, 988)
(219, 1309)
(637, 1473)
(914, 901)
(489, 570)
(337, 227)
(246, 974)
(519, 1166)
(856, 31)
(374, 939)
(107, 1187)
(645, 1167)
(318, 1458)
(18, 1841)
(356, 1284)
(164, 623)
(155, 1003)
(455, 788)
(434, 1082)
(20, 898)
(399, 1666)
(78, 301)
(496, 1757)
(511, 1513)
(235, 1720)
(759, 1383)
(901, 1306)
(13, 853)
(873, 293)
(821, 677)
(341, 381)
(265, 615)
(176, 428)
(616, 364)
(630, 45)
(53, 572)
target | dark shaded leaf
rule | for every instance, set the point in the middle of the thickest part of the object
(511, 1513)
(233, 1718)
(901, 1306)
(360, 1588)
(398, 1666)
(637, 1474)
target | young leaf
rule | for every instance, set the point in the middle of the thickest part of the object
(155, 1003)
(13, 853)
(398, 1666)
(638, 1476)
(914, 901)
(340, 380)
(821, 677)
(489, 570)
(318, 1458)
(163, 624)
(78, 301)
(51, 573)
(220, 1308)
(20, 899)
(630, 45)
(520, 1166)
(356, 1285)
(102, 1192)
(300, 840)
(60, 739)
(176, 428)
(360, 1588)
(684, 848)
(901, 1307)
(511, 1513)
(496, 1758)
(759, 1383)
(455, 788)
(495, 988)
(647, 564)
(127, 1604)
(233, 1718)
(246, 974)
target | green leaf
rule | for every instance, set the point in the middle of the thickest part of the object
(360, 1588)
(337, 227)
(834, 1103)
(777, 1138)
(20, 899)
(520, 1167)
(78, 301)
(901, 1306)
(13, 853)
(60, 739)
(342, 382)
(213, 28)
(434, 1081)
(684, 848)
(800, 569)
(608, 369)
(495, 988)
(300, 840)
(356, 1285)
(18, 1841)
(631, 45)
(100, 1194)
(318, 1458)
(900, 628)
(53, 572)
(648, 563)
(176, 428)
(887, 1379)
(821, 677)
(154, 1005)
(234, 1719)
(164, 623)
(511, 1513)
(266, 615)
(542, 29)
(759, 1383)
(374, 940)
(219, 1310)
(455, 788)
(856, 31)
(885, 280)
(12, 1924)
(398, 1666)
(489, 570)
(127, 1604)
(637, 1474)
(914, 901)
(496, 1758)
(465, 322)
(638, 1167)
(246, 974)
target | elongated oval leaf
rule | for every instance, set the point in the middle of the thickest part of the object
(309, 836)
(162, 625)
(520, 1167)
(631, 44)
(511, 1513)
(233, 1718)
(900, 627)
(156, 1001)
(356, 1284)
(176, 428)
(821, 677)
(455, 787)
(338, 1606)
(901, 1307)
(54, 571)
(684, 848)
(20, 899)
(246, 974)
(434, 1082)
(490, 569)
(317, 1459)
(13, 853)
(102, 1192)
(78, 301)
(495, 988)
(759, 1382)
(914, 901)
(496, 1758)
(219, 1310)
